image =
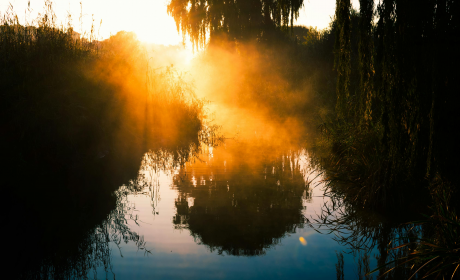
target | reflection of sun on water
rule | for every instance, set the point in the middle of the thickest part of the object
(303, 241)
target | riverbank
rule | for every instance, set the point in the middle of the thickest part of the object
(69, 101)
(390, 144)
(77, 117)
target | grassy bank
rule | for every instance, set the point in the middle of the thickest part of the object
(69, 101)
(77, 116)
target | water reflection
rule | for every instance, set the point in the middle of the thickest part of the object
(364, 233)
(80, 246)
(244, 199)
(241, 200)
(71, 228)
(189, 204)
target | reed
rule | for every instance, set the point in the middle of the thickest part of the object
(77, 116)
(435, 254)
(68, 98)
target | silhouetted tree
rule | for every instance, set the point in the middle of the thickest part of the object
(233, 20)
(404, 80)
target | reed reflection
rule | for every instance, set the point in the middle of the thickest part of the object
(364, 234)
(80, 246)
(77, 235)
(242, 198)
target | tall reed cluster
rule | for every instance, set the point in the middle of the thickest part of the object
(77, 116)
(67, 99)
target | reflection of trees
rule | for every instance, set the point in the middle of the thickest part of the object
(363, 231)
(240, 201)
(73, 232)
(77, 248)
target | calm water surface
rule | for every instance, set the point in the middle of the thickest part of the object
(237, 211)
(244, 208)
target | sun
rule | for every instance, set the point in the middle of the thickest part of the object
(150, 21)
(147, 18)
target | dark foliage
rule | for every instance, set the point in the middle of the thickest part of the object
(77, 116)
(232, 21)
(393, 137)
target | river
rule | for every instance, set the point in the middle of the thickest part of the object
(249, 206)
(234, 212)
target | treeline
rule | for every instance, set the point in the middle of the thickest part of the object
(396, 94)
(393, 142)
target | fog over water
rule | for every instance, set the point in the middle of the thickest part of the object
(238, 210)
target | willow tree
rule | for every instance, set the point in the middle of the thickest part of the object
(408, 56)
(234, 20)
(343, 54)
(366, 62)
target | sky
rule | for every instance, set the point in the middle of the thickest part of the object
(147, 18)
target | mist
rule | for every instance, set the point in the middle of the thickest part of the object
(261, 90)
(277, 146)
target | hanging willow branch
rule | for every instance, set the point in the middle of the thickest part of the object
(343, 54)
(231, 19)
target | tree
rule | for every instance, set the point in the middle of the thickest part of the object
(407, 65)
(234, 20)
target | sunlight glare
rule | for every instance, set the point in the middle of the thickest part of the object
(303, 241)
(147, 18)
